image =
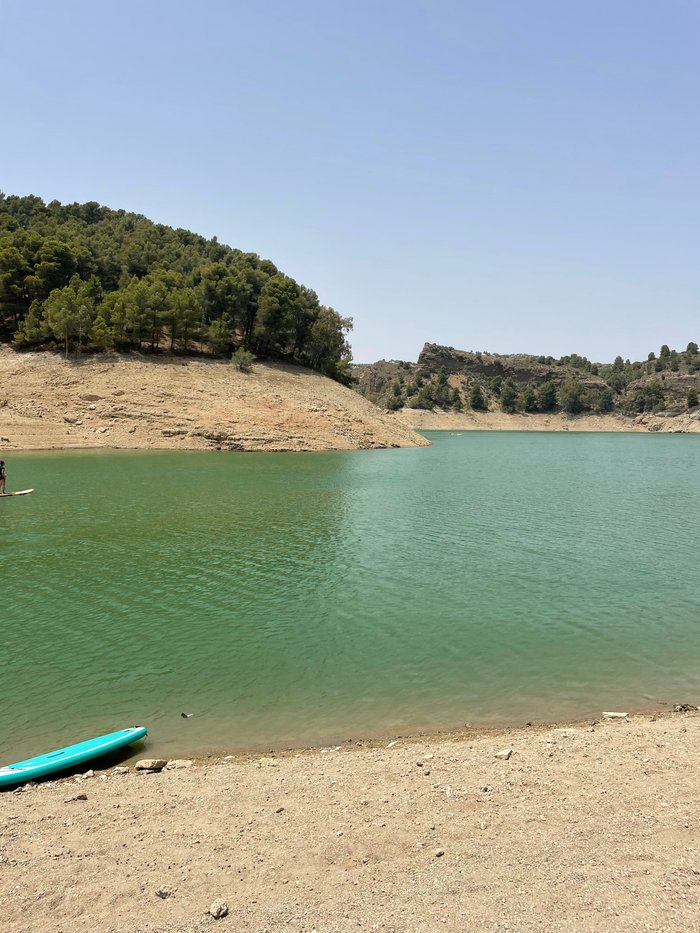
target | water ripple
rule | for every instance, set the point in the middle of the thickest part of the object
(292, 598)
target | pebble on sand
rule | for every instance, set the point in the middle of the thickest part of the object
(610, 715)
(504, 754)
(218, 909)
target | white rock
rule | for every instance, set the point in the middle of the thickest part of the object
(120, 769)
(164, 891)
(439, 853)
(614, 715)
(504, 754)
(176, 763)
(151, 764)
(218, 909)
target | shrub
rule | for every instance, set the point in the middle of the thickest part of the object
(605, 400)
(243, 359)
(573, 397)
(547, 396)
(528, 399)
(509, 396)
(649, 397)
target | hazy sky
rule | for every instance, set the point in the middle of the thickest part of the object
(519, 175)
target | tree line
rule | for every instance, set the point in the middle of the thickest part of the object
(85, 277)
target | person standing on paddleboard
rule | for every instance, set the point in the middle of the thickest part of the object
(3, 477)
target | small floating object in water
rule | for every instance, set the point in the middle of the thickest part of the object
(20, 492)
(187, 715)
(69, 756)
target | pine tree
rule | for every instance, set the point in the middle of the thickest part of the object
(477, 399)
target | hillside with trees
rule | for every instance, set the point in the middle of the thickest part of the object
(449, 380)
(85, 278)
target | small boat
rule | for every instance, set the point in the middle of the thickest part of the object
(68, 757)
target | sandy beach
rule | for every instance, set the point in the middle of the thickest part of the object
(590, 827)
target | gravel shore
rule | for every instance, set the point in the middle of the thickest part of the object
(591, 827)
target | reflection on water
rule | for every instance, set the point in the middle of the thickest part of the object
(292, 598)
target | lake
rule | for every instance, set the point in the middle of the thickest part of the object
(291, 599)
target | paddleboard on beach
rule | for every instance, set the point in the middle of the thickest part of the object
(21, 492)
(69, 757)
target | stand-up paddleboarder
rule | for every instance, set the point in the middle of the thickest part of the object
(3, 477)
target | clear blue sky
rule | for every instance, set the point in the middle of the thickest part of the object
(520, 175)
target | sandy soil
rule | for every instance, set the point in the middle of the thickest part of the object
(589, 828)
(145, 402)
(686, 422)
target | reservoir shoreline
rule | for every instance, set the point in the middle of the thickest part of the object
(167, 403)
(204, 751)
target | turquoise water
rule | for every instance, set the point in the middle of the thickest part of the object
(286, 599)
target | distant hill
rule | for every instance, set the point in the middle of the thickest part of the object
(85, 278)
(445, 379)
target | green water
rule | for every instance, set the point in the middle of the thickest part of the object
(306, 598)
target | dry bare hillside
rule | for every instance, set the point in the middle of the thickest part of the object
(145, 402)
(686, 422)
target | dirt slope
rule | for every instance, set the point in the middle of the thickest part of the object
(145, 402)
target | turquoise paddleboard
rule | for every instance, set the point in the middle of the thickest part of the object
(68, 757)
